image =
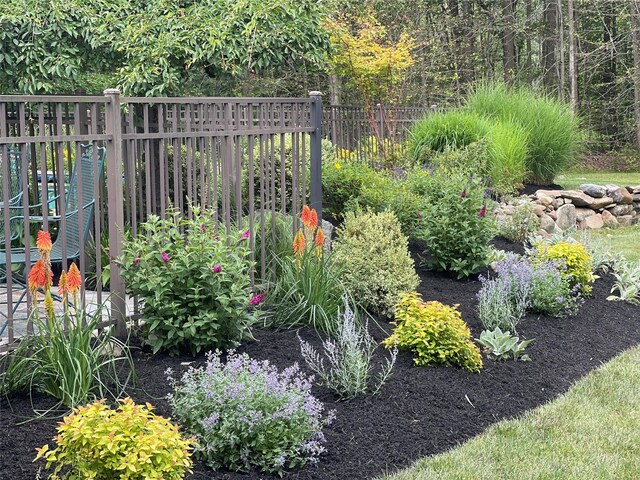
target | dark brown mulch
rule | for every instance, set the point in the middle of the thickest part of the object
(531, 188)
(420, 411)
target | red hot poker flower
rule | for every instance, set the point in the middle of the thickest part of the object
(74, 279)
(38, 276)
(299, 243)
(305, 216)
(44, 241)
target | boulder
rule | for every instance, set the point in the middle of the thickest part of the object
(548, 193)
(636, 197)
(595, 191)
(553, 215)
(593, 222)
(620, 210)
(599, 203)
(538, 210)
(557, 203)
(545, 200)
(566, 217)
(621, 195)
(578, 198)
(611, 187)
(625, 220)
(582, 213)
(609, 220)
(547, 224)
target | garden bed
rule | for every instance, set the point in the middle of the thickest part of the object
(419, 411)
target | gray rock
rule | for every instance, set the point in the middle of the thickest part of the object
(611, 187)
(625, 220)
(599, 203)
(609, 220)
(620, 210)
(636, 197)
(582, 213)
(621, 195)
(578, 198)
(545, 200)
(547, 224)
(595, 191)
(566, 217)
(549, 193)
(327, 229)
(557, 203)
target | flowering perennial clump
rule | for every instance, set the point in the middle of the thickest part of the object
(245, 413)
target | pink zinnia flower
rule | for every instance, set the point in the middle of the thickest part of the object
(483, 212)
(245, 235)
(217, 268)
(164, 256)
(257, 299)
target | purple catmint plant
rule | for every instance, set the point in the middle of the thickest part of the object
(246, 413)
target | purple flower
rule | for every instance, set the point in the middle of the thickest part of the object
(203, 228)
(217, 268)
(463, 194)
(482, 212)
(136, 260)
(245, 235)
(257, 299)
(164, 256)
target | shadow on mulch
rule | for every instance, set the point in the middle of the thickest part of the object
(419, 412)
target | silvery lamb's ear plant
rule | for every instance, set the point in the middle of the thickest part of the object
(349, 364)
(627, 282)
(501, 345)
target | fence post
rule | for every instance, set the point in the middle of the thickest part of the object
(316, 152)
(113, 127)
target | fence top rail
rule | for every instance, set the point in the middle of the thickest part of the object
(53, 99)
(362, 107)
(213, 100)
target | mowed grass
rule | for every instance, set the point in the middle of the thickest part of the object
(591, 432)
(625, 240)
(573, 180)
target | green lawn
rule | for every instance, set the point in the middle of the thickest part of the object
(573, 180)
(591, 432)
(626, 240)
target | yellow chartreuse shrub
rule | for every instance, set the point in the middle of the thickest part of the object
(579, 264)
(128, 443)
(434, 332)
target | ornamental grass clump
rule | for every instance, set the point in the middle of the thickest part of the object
(434, 333)
(126, 443)
(308, 291)
(193, 281)
(64, 357)
(374, 257)
(350, 367)
(246, 414)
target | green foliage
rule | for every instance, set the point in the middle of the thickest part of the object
(92, 250)
(153, 47)
(553, 131)
(520, 225)
(128, 443)
(456, 226)
(343, 181)
(578, 268)
(495, 149)
(276, 239)
(501, 345)
(193, 286)
(434, 333)
(350, 359)
(627, 282)
(247, 414)
(375, 261)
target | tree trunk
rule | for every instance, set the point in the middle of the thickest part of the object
(635, 32)
(573, 74)
(560, 65)
(335, 88)
(549, 42)
(509, 39)
(529, 30)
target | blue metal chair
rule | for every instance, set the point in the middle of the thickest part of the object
(74, 233)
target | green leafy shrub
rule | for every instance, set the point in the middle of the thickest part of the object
(434, 333)
(193, 286)
(375, 260)
(343, 181)
(469, 143)
(246, 413)
(501, 345)
(308, 291)
(456, 226)
(520, 225)
(576, 261)
(553, 130)
(350, 359)
(128, 443)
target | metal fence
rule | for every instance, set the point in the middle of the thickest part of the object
(88, 167)
(369, 134)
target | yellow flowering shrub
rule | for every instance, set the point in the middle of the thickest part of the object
(434, 332)
(128, 443)
(578, 262)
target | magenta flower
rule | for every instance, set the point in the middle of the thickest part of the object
(463, 194)
(245, 235)
(203, 228)
(483, 212)
(257, 299)
(136, 260)
(217, 268)
(217, 238)
(164, 256)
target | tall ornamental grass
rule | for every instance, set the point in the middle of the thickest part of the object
(553, 129)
